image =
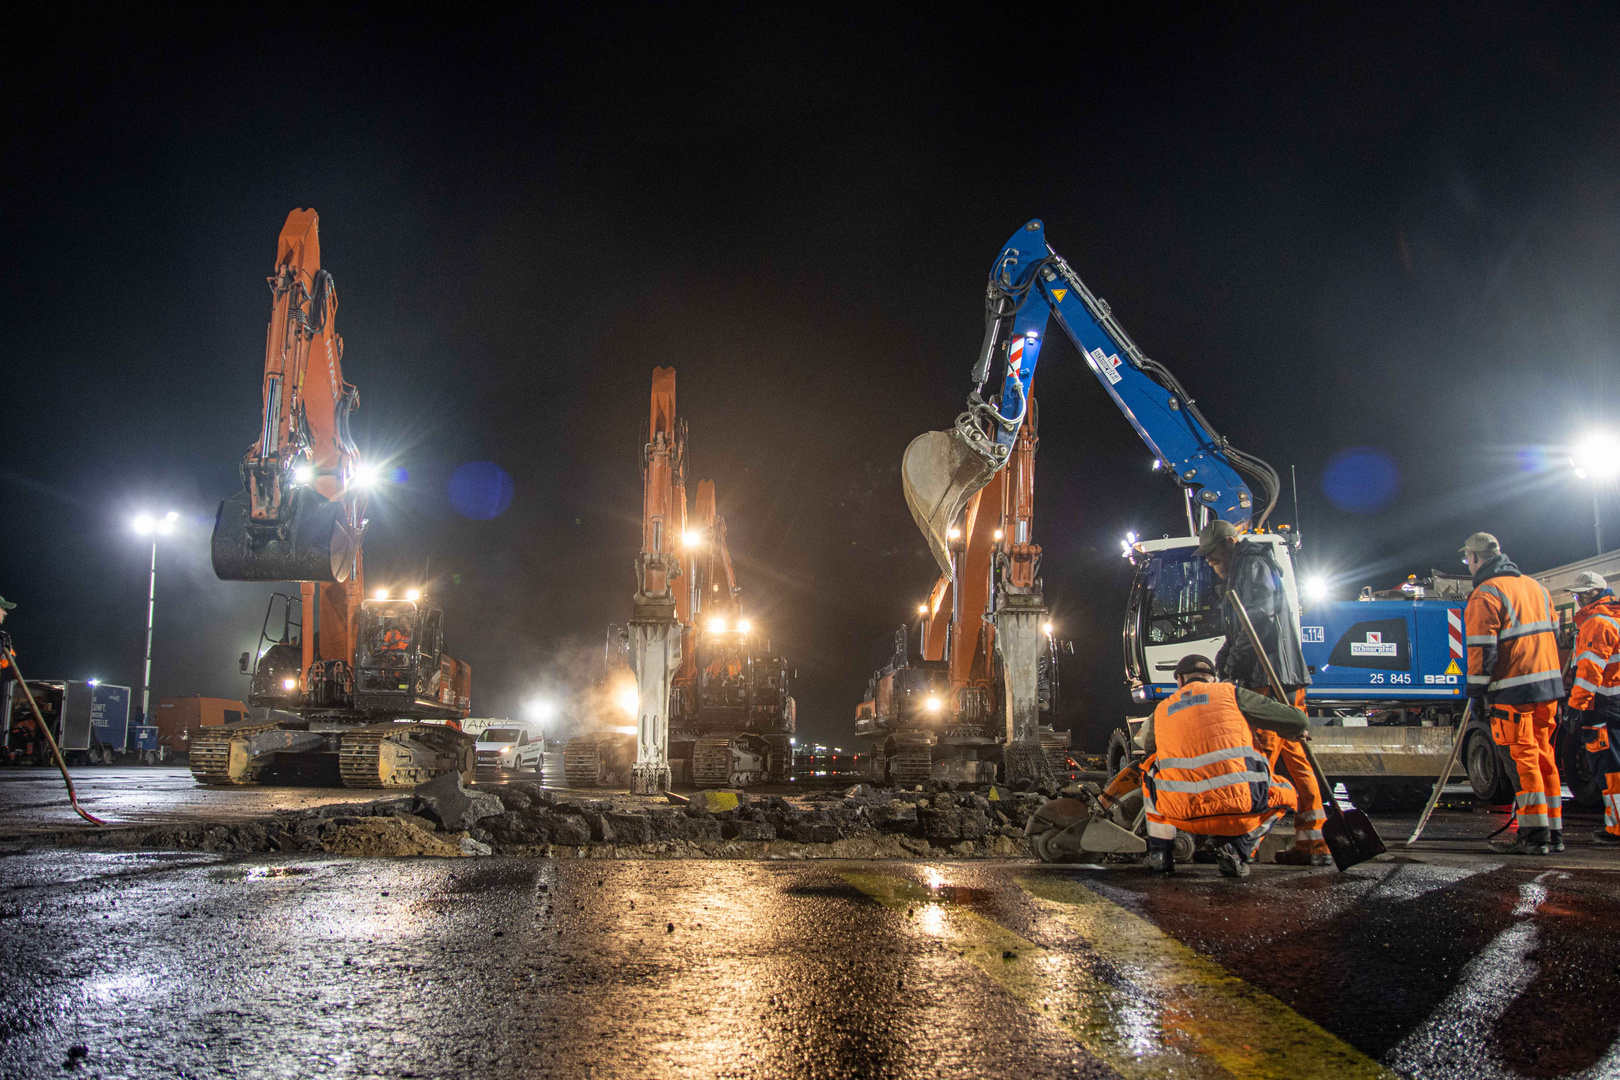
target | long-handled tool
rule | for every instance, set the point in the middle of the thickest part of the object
(50, 740)
(1445, 773)
(1350, 836)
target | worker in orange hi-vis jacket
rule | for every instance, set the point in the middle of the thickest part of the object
(1514, 675)
(1596, 693)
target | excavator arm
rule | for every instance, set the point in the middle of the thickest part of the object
(714, 582)
(300, 513)
(1029, 285)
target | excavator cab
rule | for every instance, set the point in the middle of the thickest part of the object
(402, 670)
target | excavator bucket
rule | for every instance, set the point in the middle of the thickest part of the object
(939, 474)
(311, 543)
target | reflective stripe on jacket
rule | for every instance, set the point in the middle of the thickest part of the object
(1597, 659)
(1512, 644)
(1206, 765)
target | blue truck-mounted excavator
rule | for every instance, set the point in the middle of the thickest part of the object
(1388, 670)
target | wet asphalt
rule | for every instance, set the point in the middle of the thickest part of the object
(1440, 961)
(196, 965)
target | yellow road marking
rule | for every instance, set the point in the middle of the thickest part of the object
(1168, 1011)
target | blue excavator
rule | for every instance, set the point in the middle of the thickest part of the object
(1387, 670)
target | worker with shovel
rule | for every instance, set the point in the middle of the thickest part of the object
(1514, 674)
(1595, 697)
(1205, 774)
(1248, 571)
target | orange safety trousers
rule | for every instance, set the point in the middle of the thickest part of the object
(1312, 812)
(1604, 757)
(1526, 731)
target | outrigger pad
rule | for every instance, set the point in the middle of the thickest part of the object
(939, 474)
(311, 543)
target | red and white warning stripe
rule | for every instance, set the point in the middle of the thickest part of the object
(1015, 354)
(1454, 619)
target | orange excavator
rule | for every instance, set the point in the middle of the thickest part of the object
(367, 679)
(945, 710)
(713, 703)
(733, 714)
(662, 613)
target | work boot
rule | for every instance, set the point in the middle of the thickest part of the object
(1518, 847)
(1161, 862)
(1555, 840)
(1604, 838)
(1301, 857)
(1231, 861)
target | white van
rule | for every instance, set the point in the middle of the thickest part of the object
(510, 748)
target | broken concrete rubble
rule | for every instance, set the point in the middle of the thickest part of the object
(448, 819)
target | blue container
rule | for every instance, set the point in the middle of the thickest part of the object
(109, 715)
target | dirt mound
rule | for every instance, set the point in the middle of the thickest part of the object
(388, 836)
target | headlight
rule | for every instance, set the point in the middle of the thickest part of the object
(289, 684)
(932, 704)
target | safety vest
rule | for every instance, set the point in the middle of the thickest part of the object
(1206, 765)
(1512, 644)
(1597, 659)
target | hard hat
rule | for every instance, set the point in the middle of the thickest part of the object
(1588, 581)
(1194, 662)
(6, 604)
(1213, 534)
(1481, 543)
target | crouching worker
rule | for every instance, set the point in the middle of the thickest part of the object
(1204, 774)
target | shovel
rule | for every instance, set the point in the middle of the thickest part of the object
(1350, 836)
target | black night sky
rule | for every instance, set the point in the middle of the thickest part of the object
(1399, 230)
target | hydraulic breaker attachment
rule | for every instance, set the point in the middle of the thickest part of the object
(311, 541)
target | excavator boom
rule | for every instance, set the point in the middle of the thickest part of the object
(1030, 283)
(299, 514)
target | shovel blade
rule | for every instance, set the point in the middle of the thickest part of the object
(939, 474)
(1351, 838)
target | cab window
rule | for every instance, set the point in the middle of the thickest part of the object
(1181, 599)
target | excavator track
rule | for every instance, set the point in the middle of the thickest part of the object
(396, 755)
(582, 763)
(711, 763)
(210, 752)
(911, 765)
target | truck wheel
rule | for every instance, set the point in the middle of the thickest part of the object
(1119, 751)
(1486, 776)
(1576, 771)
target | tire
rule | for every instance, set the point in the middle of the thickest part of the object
(1576, 771)
(1486, 775)
(1119, 751)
